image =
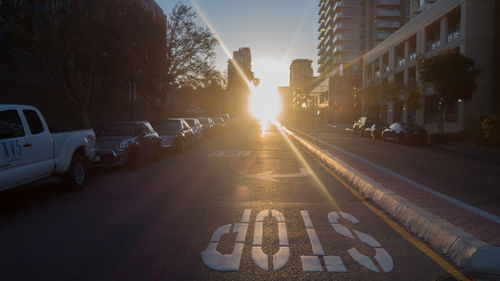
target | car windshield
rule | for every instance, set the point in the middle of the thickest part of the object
(168, 127)
(204, 121)
(115, 130)
(410, 126)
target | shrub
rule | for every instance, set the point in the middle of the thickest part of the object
(490, 129)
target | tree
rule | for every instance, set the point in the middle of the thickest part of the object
(189, 54)
(212, 91)
(76, 44)
(453, 76)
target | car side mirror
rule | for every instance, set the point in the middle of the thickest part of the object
(6, 132)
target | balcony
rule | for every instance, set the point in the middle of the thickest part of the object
(337, 27)
(382, 35)
(387, 13)
(338, 5)
(401, 61)
(434, 45)
(388, 2)
(453, 36)
(387, 24)
(338, 37)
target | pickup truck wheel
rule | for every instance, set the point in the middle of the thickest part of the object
(74, 179)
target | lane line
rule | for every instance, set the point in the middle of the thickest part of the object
(410, 181)
(415, 242)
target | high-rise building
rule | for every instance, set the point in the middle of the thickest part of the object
(301, 77)
(239, 75)
(348, 29)
(418, 6)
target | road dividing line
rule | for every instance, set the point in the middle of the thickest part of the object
(231, 262)
(415, 242)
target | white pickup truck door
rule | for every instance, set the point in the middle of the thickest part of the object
(13, 153)
(40, 149)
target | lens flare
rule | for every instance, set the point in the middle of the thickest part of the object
(265, 103)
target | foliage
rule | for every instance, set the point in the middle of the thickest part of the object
(79, 44)
(190, 48)
(413, 101)
(453, 76)
(490, 129)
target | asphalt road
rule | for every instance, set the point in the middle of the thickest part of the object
(459, 172)
(155, 223)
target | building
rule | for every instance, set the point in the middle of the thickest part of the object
(348, 29)
(286, 102)
(239, 76)
(301, 79)
(28, 84)
(468, 26)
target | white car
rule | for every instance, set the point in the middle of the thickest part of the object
(30, 152)
(196, 126)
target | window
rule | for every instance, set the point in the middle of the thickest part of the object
(10, 119)
(34, 121)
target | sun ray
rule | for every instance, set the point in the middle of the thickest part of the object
(304, 163)
(209, 25)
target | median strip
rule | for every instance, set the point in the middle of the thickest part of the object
(460, 246)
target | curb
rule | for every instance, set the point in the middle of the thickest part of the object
(464, 249)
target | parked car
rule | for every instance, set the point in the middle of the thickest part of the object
(126, 143)
(196, 127)
(375, 130)
(175, 134)
(220, 124)
(405, 133)
(363, 122)
(30, 152)
(207, 124)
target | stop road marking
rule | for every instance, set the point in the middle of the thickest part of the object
(231, 262)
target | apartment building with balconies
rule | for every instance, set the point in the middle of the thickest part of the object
(468, 26)
(348, 29)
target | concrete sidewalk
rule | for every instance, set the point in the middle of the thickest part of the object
(470, 237)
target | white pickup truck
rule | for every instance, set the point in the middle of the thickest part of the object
(30, 152)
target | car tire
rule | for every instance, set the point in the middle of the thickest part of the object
(157, 153)
(74, 179)
(181, 147)
(134, 160)
(397, 139)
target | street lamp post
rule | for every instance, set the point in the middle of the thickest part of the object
(132, 96)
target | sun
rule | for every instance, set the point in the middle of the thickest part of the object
(265, 103)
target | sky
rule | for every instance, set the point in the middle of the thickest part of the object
(277, 32)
